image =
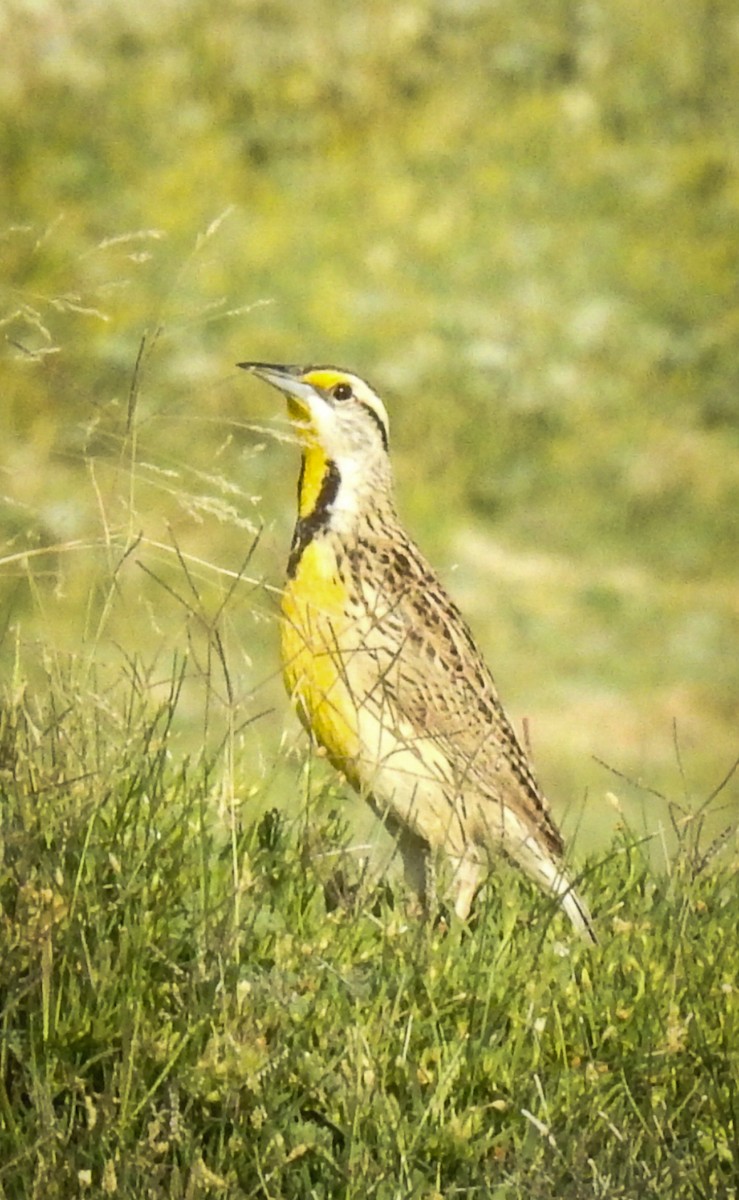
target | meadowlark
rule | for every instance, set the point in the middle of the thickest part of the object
(382, 668)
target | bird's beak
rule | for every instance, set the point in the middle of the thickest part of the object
(285, 379)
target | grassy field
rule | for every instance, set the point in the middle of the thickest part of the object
(520, 223)
(198, 1005)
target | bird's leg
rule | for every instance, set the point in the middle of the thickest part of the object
(418, 866)
(466, 868)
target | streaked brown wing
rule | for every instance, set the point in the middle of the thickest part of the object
(439, 682)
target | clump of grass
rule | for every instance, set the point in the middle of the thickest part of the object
(192, 1006)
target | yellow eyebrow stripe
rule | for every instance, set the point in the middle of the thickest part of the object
(323, 378)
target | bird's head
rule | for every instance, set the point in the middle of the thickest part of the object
(330, 407)
(339, 419)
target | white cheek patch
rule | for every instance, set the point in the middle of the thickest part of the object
(348, 439)
(328, 429)
(348, 500)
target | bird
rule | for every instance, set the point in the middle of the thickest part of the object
(383, 669)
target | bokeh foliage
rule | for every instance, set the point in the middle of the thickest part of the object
(520, 221)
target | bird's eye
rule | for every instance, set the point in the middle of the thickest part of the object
(342, 391)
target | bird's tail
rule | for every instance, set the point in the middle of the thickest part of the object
(576, 909)
(540, 864)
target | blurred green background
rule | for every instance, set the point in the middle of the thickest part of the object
(519, 221)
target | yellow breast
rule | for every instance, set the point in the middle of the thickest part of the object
(316, 646)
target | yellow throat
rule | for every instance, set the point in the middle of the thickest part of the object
(314, 622)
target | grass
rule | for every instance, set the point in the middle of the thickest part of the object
(199, 1000)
